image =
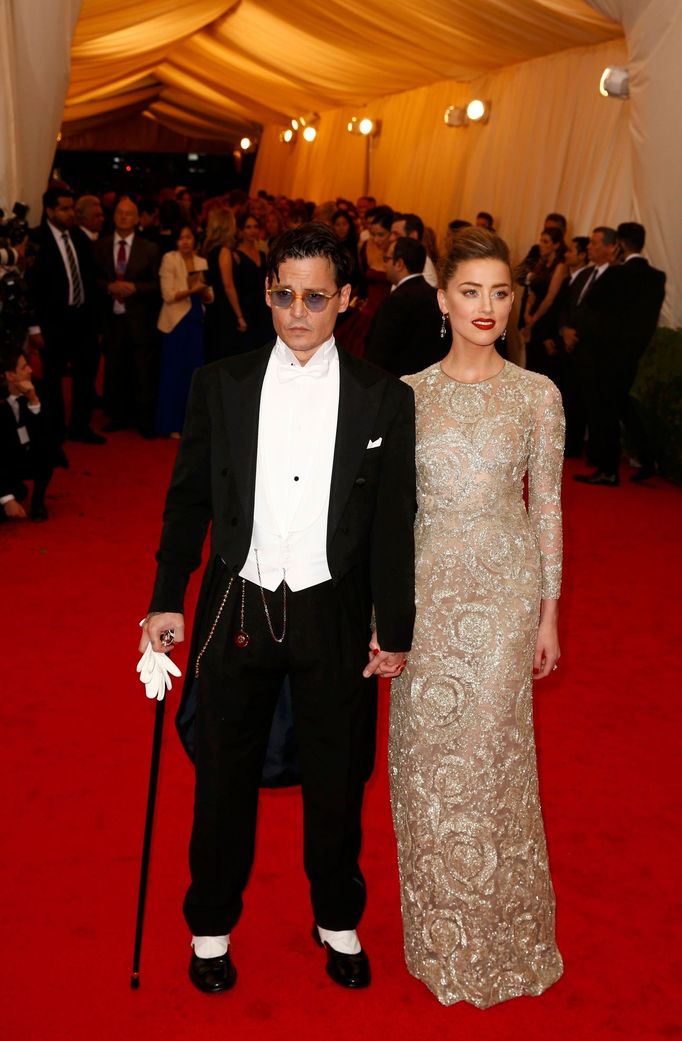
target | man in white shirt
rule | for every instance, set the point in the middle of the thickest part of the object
(302, 457)
(411, 226)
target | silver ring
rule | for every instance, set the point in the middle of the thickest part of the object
(167, 637)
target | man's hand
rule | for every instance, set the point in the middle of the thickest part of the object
(157, 623)
(14, 510)
(388, 664)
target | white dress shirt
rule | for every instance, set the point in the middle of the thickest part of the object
(296, 438)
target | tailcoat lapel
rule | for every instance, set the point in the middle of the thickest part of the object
(360, 393)
(240, 391)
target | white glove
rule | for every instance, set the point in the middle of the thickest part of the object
(154, 668)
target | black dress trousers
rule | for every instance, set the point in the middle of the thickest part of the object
(324, 652)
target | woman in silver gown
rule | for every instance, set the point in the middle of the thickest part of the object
(476, 893)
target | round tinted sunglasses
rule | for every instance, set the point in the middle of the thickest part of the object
(312, 299)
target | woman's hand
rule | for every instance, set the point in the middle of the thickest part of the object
(547, 650)
(241, 324)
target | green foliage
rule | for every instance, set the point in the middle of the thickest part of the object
(658, 392)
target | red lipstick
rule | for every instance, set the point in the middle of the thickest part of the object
(484, 323)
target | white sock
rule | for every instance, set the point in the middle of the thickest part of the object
(210, 946)
(344, 941)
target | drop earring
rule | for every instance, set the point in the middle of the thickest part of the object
(443, 325)
(504, 334)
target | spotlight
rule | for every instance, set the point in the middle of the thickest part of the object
(309, 133)
(366, 127)
(615, 83)
(245, 144)
(478, 111)
(287, 136)
(294, 124)
(455, 116)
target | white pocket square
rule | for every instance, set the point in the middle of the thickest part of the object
(374, 444)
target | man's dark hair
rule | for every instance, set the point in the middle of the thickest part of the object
(608, 234)
(413, 222)
(457, 225)
(412, 253)
(488, 217)
(52, 196)
(557, 218)
(314, 239)
(11, 350)
(581, 243)
(147, 205)
(631, 236)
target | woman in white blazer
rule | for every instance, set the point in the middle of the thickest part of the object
(181, 320)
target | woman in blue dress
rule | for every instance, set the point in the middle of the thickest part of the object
(181, 321)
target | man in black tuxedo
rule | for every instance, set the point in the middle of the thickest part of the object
(563, 362)
(302, 457)
(405, 334)
(64, 297)
(128, 275)
(25, 452)
(618, 320)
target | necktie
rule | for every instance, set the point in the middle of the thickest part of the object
(587, 285)
(121, 260)
(76, 284)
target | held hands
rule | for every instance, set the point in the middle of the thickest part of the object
(388, 664)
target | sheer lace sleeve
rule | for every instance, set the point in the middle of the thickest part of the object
(545, 467)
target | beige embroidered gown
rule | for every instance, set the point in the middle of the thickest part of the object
(477, 898)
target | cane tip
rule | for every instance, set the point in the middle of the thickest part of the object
(135, 981)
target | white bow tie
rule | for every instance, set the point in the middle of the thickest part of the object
(287, 373)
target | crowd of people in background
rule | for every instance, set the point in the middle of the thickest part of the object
(158, 286)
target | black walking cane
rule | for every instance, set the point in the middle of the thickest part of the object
(147, 841)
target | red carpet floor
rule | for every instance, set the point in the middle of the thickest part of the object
(77, 733)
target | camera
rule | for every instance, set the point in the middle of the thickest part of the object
(13, 231)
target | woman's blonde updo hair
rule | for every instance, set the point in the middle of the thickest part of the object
(471, 244)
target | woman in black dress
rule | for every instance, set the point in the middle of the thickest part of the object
(249, 267)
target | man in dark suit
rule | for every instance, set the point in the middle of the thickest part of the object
(405, 335)
(63, 296)
(128, 275)
(25, 452)
(564, 362)
(302, 457)
(618, 320)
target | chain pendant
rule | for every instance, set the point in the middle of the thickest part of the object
(241, 639)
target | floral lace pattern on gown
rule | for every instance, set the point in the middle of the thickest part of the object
(476, 894)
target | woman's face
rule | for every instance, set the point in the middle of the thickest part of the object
(342, 227)
(478, 299)
(546, 246)
(186, 241)
(380, 236)
(272, 223)
(251, 230)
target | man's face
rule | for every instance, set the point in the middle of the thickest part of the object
(398, 230)
(303, 331)
(125, 217)
(394, 270)
(94, 219)
(63, 215)
(22, 374)
(598, 251)
(572, 257)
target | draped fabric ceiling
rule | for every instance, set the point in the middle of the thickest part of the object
(216, 69)
(198, 74)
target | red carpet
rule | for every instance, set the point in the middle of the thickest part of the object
(77, 739)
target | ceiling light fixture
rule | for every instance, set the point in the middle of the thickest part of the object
(615, 83)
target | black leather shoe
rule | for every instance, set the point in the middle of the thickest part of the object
(643, 474)
(212, 975)
(38, 512)
(87, 437)
(348, 970)
(598, 477)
